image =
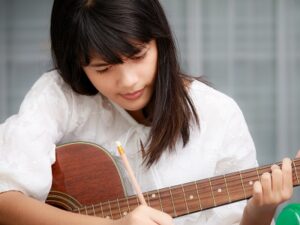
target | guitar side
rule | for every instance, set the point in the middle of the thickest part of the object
(84, 174)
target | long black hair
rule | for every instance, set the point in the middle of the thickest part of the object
(111, 29)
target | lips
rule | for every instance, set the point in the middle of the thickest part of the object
(133, 95)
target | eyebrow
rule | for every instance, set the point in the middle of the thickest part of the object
(98, 64)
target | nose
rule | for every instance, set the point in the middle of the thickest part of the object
(128, 77)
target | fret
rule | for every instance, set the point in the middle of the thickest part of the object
(295, 169)
(94, 209)
(245, 196)
(205, 194)
(79, 210)
(159, 198)
(212, 192)
(191, 196)
(257, 173)
(124, 207)
(101, 210)
(110, 209)
(91, 210)
(133, 202)
(105, 210)
(235, 186)
(184, 197)
(147, 195)
(155, 200)
(172, 200)
(178, 200)
(166, 201)
(119, 208)
(129, 210)
(249, 178)
(114, 207)
(198, 197)
(261, 170)
(224, 177)
(219, 190)
(86, 211)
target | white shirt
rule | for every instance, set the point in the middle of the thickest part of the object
(52, 114)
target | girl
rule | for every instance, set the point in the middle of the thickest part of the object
(117, 77)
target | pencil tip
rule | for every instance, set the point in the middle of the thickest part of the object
(118, 143)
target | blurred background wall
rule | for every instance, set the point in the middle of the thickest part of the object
(250, 50)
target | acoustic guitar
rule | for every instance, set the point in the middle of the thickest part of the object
(86, 180)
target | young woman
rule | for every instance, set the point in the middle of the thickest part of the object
(117, 77)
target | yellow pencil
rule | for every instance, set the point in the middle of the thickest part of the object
(131, 174)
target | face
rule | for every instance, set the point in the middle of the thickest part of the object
(130, 84)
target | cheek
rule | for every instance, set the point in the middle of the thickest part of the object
(148, 71)
(153, 67)
(153, 70)
(104, 86)
(100, 86)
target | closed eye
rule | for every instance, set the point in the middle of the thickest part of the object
(103, 70)
(140, 55)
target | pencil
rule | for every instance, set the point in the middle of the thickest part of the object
(131, 174)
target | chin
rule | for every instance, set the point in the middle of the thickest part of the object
(133, 107)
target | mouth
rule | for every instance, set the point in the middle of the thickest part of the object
(133, 95)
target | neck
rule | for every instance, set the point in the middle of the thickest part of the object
(191, 197)
(138, 116)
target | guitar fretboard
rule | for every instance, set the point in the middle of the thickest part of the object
(190, 197)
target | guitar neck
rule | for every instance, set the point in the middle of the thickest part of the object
(191, 197)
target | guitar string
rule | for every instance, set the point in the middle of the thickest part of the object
(209, 197)
(169, 206)
(244, 178)
(203, 197)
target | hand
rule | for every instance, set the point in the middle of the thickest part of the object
(144, 215)
(273, 189)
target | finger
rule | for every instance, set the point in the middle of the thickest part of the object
(160, 217)
(298, 154)
(266, 187)
(287, 178)
(276, 180)
(257, 193)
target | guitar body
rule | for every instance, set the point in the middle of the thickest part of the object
(84, 174)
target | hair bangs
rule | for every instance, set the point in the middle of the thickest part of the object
(103, 39)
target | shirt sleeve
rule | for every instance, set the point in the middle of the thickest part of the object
(27, 139)
(237, 152)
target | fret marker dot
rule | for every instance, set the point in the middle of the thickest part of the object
(191, 196)
(250, 182)
(153, 195)
(219, 190)
(125, 213)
